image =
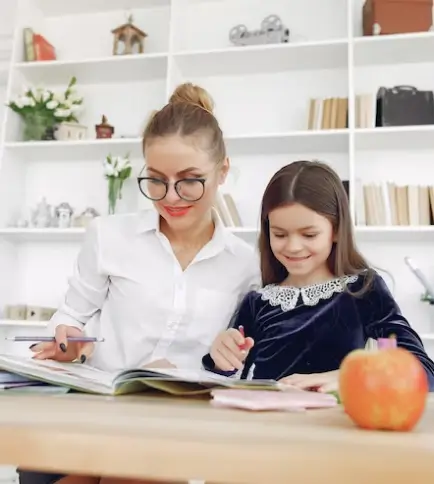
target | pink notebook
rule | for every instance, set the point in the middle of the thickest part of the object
(262, 400)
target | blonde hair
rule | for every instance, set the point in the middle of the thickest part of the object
(189, 113)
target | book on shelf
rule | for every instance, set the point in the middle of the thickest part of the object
(328, 113)
(37, 47)
(87, 379)
(227, 210)
(398, 205)
(365, 110)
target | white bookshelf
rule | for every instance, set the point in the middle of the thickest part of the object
(262, 101)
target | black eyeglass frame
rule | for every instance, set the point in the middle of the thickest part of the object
(167, 184)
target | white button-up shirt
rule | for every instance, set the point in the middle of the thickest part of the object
(129, 288)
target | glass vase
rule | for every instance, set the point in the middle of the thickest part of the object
(114, 193)
(36, 127)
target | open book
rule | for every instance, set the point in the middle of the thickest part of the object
(84, 378)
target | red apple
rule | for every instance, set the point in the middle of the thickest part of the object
(383, 389)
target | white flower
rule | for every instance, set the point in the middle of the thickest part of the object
(58, 96)
(52, 104)
(46, 96)
(25, 101)
(109, 169)
(123, 163)
(62, 113)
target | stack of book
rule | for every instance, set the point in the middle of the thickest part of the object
(391, 204)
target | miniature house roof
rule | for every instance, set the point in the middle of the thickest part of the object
(128, 25)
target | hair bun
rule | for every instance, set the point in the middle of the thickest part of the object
(192, 94)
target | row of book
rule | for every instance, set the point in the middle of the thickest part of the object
(332, 113)
(391, 204)
(227, 210)
(377, 204)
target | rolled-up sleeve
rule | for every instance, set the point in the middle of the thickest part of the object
(88, 284)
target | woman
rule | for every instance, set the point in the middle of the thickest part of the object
(160, 285)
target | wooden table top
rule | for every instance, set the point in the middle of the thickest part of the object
(173, 438)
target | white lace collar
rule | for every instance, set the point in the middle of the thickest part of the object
(287, 296)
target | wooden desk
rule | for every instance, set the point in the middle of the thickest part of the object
(162, 438)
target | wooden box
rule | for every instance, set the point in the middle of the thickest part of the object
(70, 132)
(383, 17)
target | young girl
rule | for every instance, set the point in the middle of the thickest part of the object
(319, 300)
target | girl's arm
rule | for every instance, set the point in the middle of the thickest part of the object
(243, 317)
(382, 318)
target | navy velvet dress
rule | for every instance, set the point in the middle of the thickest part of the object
(311, 329)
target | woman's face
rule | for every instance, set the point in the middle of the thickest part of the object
(173, 158)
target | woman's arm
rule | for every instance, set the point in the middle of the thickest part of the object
(382, 318)
(88, 286)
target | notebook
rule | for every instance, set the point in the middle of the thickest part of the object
(85, 378)
(292, 399)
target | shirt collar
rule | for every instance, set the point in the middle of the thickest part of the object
(149, 221)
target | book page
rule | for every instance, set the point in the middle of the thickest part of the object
(200, 376)
(75, 375)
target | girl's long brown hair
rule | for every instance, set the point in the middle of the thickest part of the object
(318, 187)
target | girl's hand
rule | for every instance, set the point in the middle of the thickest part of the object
(61, 349)
(319, 382)
(230, 349)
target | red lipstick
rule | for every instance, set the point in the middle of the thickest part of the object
(177, 211)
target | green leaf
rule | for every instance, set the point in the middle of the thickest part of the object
(125, 173)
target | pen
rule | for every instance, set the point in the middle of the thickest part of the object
(241, 330)
(80, 339)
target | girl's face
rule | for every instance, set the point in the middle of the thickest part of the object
(172, 158)
(301, 240)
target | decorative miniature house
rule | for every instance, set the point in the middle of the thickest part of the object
(128, 39)
(70, 132)
(104, 129)
(63, 215)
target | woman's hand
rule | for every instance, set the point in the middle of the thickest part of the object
(61, 349)
(319, 382)
(230, 349)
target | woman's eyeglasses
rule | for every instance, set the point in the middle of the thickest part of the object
(155, 189)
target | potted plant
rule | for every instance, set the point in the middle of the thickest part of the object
(42, 110)
(116, 170)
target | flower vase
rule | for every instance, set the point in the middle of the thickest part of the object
(114, 193)
(35, 127)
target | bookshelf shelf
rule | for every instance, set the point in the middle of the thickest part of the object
(395, 138)
(42, 235)
(427, 336)
(392, 234)
(134, 68)
(334, 141)
(262, 95)
(13, 323)
(74, 150)
(263, 58)
(394, 49)
(53, 8)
